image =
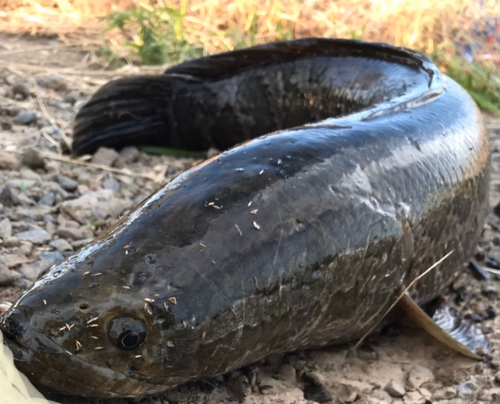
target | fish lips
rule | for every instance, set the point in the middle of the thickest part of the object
(49, 367)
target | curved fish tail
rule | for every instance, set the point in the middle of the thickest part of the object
(127, 111)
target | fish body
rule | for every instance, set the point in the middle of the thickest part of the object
(375, 166)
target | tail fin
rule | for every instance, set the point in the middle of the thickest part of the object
(128, 111)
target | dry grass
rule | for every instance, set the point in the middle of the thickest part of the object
(220, 24)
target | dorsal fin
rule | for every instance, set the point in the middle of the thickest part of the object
(226, 64)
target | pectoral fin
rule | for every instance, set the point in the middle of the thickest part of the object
(457, 333)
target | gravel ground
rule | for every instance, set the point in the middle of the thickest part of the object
(50, 208)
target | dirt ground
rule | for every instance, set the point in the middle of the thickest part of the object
(48, 211)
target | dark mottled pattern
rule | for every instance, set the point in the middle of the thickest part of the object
(350, 209)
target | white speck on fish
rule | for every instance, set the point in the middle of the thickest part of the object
(203, 245)
(254, 212)
(148, 300)
(256, 225)
(92, 320)
(45, 302)
(98, 348)
(261, 172)
(238, 228)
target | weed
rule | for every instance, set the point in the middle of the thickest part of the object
(158, 35)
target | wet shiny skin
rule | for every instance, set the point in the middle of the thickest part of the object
(350, 208)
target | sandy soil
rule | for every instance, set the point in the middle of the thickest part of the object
(45, 216)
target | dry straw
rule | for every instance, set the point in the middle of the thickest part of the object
(423, 24)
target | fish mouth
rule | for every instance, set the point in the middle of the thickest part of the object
(49, 367)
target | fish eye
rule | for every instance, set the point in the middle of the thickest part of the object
(127, 332)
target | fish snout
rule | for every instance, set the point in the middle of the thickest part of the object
(12, 323)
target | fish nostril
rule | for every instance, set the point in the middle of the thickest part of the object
(11, 324)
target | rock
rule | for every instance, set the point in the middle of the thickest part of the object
(8, 198)
(68, 184)
(111, 184)
(81, 243)
(72, 97)
(53, 82)
(467, 389)
(367, 353)
(45, 260)
(444, 394)
(382, 396)
(25, 200)
(61, 245)
(26, 248)
(11, 242)
(497, 378)
(105, 156)
(73, 233)
(32, 159)
(417, 376)
(5, 228)
(288, 373)
(95, 205)
(47, 200)
(34, 236)
(22, 89)
(241, 386)
(7, 276)
(395, 389)
(5, 125)
(8, 161)
(25, 117)
(32, 213)
(129, 154)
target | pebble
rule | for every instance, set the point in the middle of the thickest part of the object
(111, 184)
(11, 242)
(382, 396)
(395, 389)
(32, 159)
(68, 184)
(47, 200)
(95, 205)
(22, 89)
(418, 375)
(8, 198)
(45, 260)
(73, 233)
(467, 389)
(72, 97)
(53, 82)
(105, 156)
(129, 154)
(5, 228)
(241, 386)
(8, 161)
(25, 117)
(26, 247)
(288, 373)
(7, 276)
(32, 213)
(61, 245)
(35, 236)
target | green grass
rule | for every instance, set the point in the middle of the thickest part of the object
(159, 34)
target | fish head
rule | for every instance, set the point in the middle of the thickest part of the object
(101, 324)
